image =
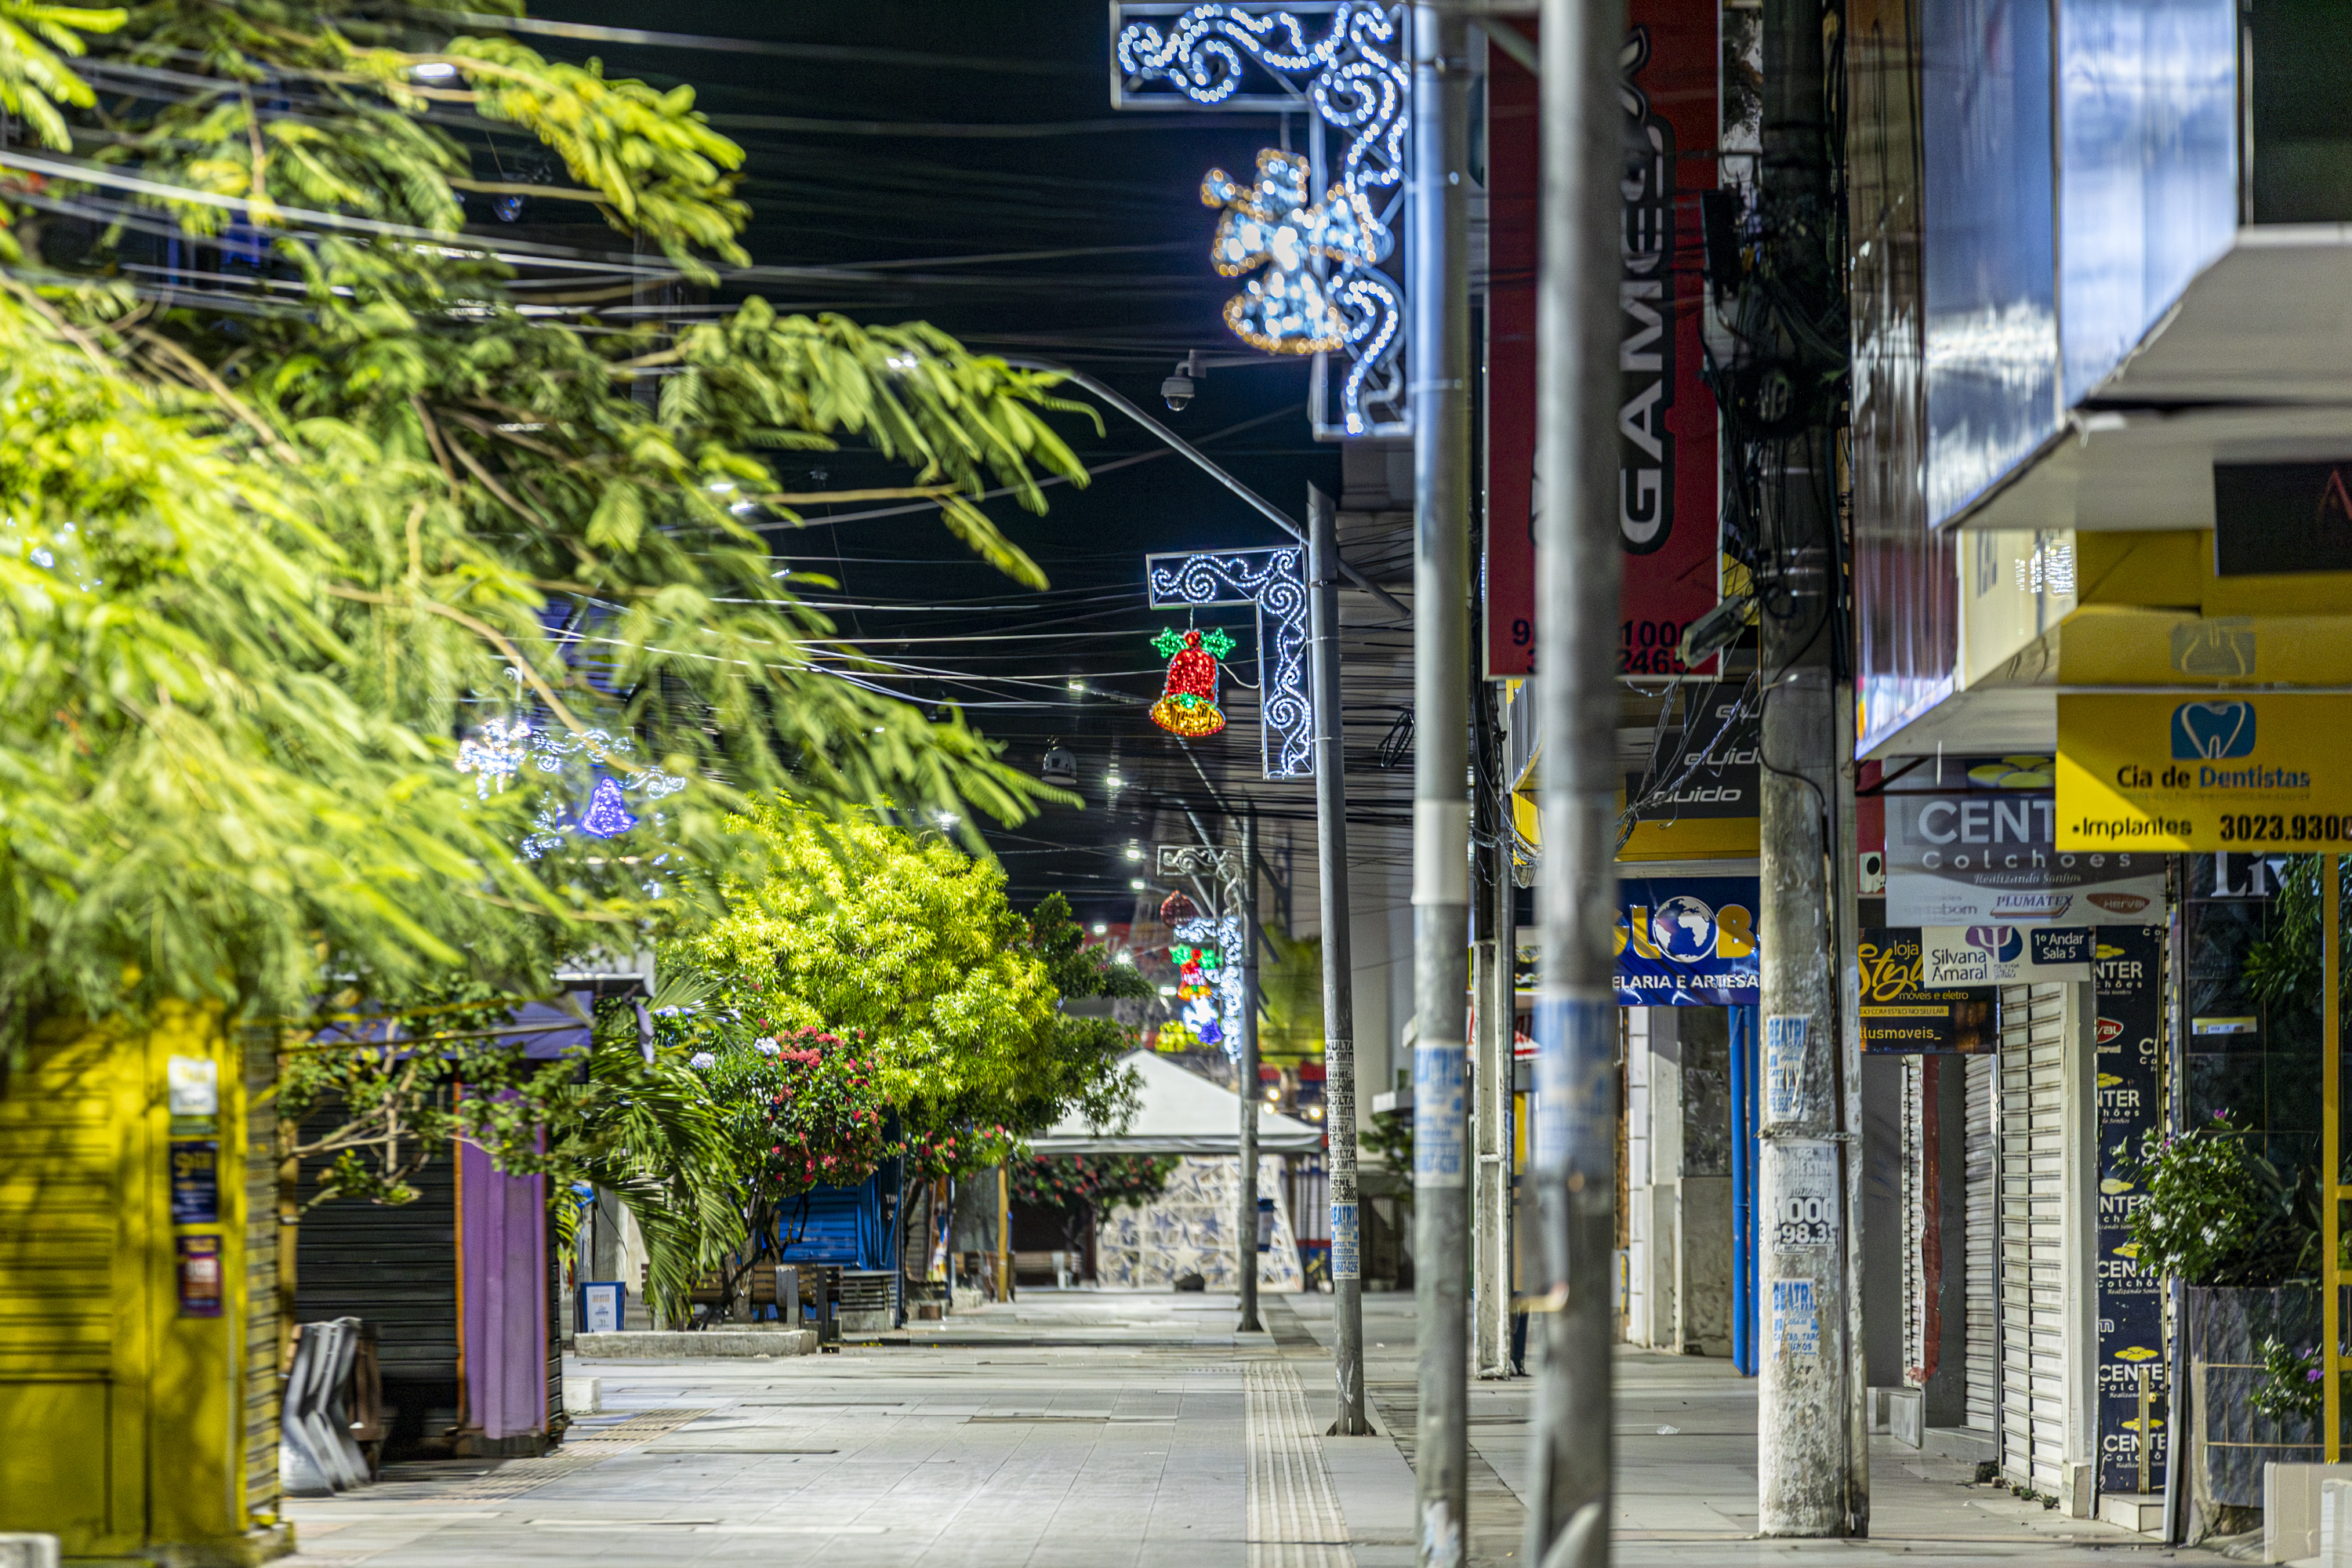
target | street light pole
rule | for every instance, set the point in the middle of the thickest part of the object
(1574, 1131)
(1439, 358)
(1248, 891)
(1338, 971)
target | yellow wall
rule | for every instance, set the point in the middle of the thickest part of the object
(125, 1421)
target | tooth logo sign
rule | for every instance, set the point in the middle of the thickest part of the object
(2208, 731)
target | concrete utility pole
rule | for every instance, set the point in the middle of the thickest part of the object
(1439, 358)
(1490, 1072)
(1805, 1468)
(1248, 889)
(1574, 1130)
(1339, 973)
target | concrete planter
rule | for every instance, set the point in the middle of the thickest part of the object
(677, 1345)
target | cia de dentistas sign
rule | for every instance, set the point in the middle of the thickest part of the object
(2158, 774)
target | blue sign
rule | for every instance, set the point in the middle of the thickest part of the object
(2212, 732)
(1687, 942)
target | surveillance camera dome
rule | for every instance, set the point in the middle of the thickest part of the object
(1178, 390)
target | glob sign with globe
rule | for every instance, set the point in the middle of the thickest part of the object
(1687, 942)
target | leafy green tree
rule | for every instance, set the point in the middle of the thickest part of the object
(265, 565)
(859, 926)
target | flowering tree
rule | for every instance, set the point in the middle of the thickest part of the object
(1076, 1185)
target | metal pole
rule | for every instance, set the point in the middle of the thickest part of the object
(1339, 972)
(1574, 1128)
(1247, 889)
(1804, 1425)
(1490, 1076)
(1440, 360)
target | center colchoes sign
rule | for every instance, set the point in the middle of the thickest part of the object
(2156, 773)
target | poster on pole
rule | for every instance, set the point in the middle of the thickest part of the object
(1668, 522)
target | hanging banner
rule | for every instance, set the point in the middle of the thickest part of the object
(2131, 1298)
(2152, 775)
(1667, 506)
(1975, 840)
(1902, 1016)
(1687, 942)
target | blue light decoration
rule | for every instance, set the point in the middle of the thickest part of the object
(1273, 583)
(606, 818)
(495, 754)
(1323, 285)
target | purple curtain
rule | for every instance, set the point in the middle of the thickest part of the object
(503, 1269)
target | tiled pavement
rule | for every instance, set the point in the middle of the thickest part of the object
(1104, 1429)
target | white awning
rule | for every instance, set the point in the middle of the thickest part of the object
(1182, 1113)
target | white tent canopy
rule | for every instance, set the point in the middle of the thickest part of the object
(1182, 1113)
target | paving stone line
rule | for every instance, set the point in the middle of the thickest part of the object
(517, 1477)
(1294, 1514)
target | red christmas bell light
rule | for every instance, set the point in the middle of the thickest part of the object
(1189, 705)
(1176, 909)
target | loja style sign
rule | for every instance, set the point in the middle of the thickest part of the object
(1981, 845)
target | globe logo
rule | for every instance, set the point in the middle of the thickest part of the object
(1683, 928)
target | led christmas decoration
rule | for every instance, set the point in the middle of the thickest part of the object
(1327, 290)
(1176, 907)
(606, 818)
(1273, 583)
(1188, 707)
(1286, 310)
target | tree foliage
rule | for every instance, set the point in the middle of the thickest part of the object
(264, 563)
(859, 926)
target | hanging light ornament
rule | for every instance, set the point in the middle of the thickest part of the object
(1189, 705)
(606, 816)
(1176, 906)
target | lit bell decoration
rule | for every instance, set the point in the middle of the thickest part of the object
(606, 816)
(1176, 909)
(1189, 706)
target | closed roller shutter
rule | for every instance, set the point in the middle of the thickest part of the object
(1915, 1219)
(396, 1267)
(2031, 1187)
(1978, 1155)
(261, 1227)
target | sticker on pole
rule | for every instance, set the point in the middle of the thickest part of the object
(1796, 1319)
(1574, 1123)
(1785, 1099)
(1804, 1213)
(1344, 1262)
(1440, 1114)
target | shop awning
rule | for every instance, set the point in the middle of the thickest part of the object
(1182, 1113)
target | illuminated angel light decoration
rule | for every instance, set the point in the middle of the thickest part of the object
(1271, 227)
(1324, 289)
(1273, 583)
(1188, 703)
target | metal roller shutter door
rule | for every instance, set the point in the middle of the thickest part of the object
(1983, 1301)
(1914, 1218)
(2032, 1194)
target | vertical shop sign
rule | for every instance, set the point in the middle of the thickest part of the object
(1667, 511)
(196, 1181)
(2131, 1298)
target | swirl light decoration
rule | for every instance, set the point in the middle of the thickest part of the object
(496, 754)
(1273, 581)
(1324, 287)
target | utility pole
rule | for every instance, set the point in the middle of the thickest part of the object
(1490, 1070)
(1339, 972)
(1247, 886)
(1806, 1474)
(1574, 1131)
(1439, 358)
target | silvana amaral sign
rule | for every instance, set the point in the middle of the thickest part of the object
(2155, 774)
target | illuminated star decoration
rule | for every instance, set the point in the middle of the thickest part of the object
(1189, 705)
(1286, 310)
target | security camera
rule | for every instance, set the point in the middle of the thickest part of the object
(1178, 388)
